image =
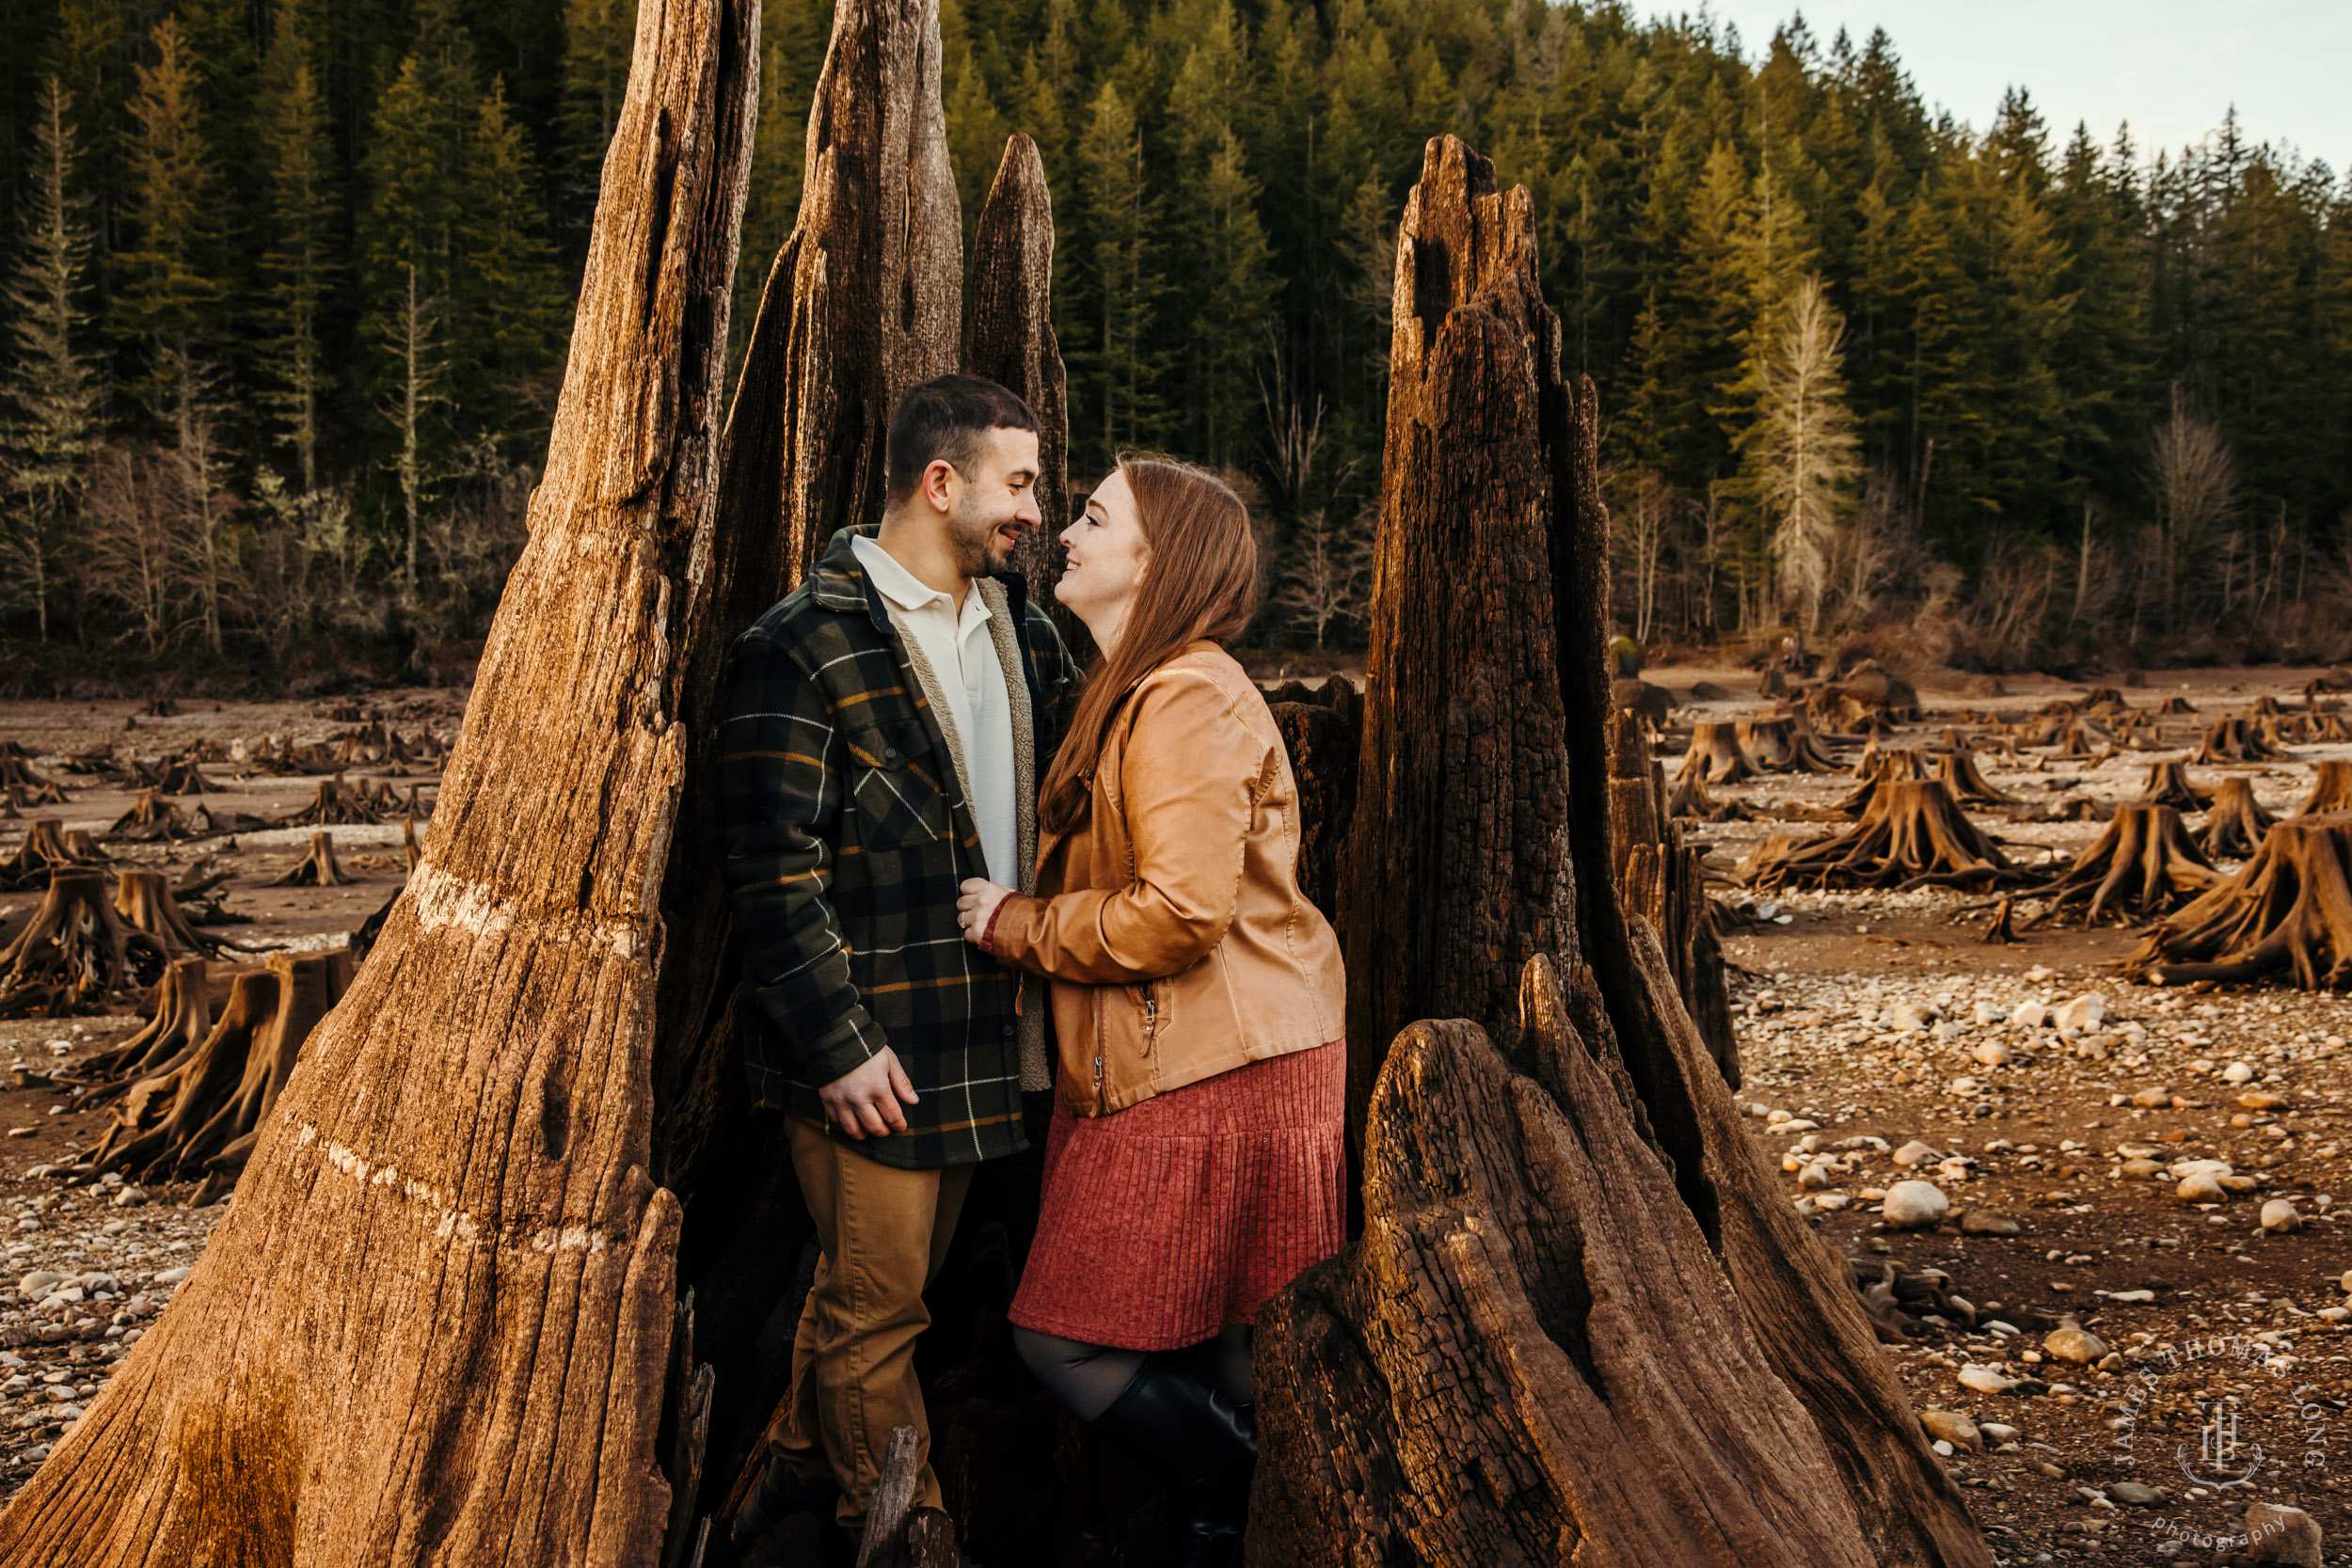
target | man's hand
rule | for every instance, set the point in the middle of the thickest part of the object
(865, 1100)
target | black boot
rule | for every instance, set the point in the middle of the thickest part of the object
(778, 1497)
(1208, 1446)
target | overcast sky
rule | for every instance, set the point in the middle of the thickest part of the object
(2172, 68)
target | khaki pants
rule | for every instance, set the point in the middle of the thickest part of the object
(883, 1233)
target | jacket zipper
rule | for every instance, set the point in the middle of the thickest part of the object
(1151, 1015)
(1101, 1104)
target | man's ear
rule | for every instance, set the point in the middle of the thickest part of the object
(937, 475)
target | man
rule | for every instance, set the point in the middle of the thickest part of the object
(884, 729)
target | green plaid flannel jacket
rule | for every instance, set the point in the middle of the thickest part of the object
(847, 839)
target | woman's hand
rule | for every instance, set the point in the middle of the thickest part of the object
(977, 906)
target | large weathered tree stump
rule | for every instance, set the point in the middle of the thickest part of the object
(434, 1325)
(146, 902)
(2285, 916)
(182, 1016)
(40, 852)
(1715, 756)
(1956, 769)
(1779, 745)
(2169, 784)
(1593, 1392)
(2332, 790)
(336, 804)
(2235, 823)
(1463, 721)
(2235, 740)
(1663, 881)
(1009, 337)
(318, 867)
(27, 788)
(76, 952)
(1457, 1423)
(201, 1111)
(2142, 866)
(1323, 741)
(1912, 835)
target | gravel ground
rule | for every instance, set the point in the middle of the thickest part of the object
(2217, 1379)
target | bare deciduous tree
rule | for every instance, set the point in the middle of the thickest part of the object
(2194, 479)
(1802, 459)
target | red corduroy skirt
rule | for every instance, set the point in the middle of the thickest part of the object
(1165, 1222)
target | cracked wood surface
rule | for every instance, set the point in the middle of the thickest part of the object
(432, 1328)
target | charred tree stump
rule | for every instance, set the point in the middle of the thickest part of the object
(2332, 790)
(1535, 1216)
(1715, 756)
(1009, 337)
(2169, 784)
(2235, 823)
(2235, 740)
(1518, 1364)
(1463, 725)
(76, 952)
(1661, 879)
(316, 868)
(2286, 914)
(1912, 835)
(2142, 866)
(476, 1121)
(182, 1017)
(1322, 741)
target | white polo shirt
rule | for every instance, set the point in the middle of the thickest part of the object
(961, 652)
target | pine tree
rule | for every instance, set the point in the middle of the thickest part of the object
(599, 37)
(1120, 217)
(1231, 266)
(50, 398)
(1800, 461)
(301, 258)
(170, 292)
(507, 324)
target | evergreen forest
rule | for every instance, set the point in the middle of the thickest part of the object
(287, 287)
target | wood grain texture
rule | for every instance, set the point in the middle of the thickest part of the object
(1455, 869)
(1530, 1356)
(1009, 337)
(434, 1325)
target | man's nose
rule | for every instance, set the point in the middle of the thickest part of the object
(1027, 511)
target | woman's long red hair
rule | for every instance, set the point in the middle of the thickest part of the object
(1200, 582)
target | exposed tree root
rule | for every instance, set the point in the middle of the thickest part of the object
(1716, 756)
(1690, 800)
(1778, 745)
(29, 788)
(1886, 767)
(147, 903)
(1913, 835)
(1957, 771)
(2235, 740)
(2332, 790)
(204, 1113)
(2331, 727)
(43, 850)
(2169, 784)
(77, 953)
(180, 1017)
(2143, 866)
(336, 806)
(2234, 826)
(184, 777)
(2002, 932)
(2176, 705)
(317, 868)
(149, 819)
(2286, 915)
(204, 822)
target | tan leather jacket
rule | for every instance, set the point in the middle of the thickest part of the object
(1170, 920)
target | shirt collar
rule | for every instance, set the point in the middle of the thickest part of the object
(903, 588)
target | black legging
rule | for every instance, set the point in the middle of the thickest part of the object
(1090, 1378)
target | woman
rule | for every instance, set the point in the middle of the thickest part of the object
(1195, 1160)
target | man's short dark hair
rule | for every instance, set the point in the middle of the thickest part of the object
(943, 419)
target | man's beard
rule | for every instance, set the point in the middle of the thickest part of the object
(978, 553)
